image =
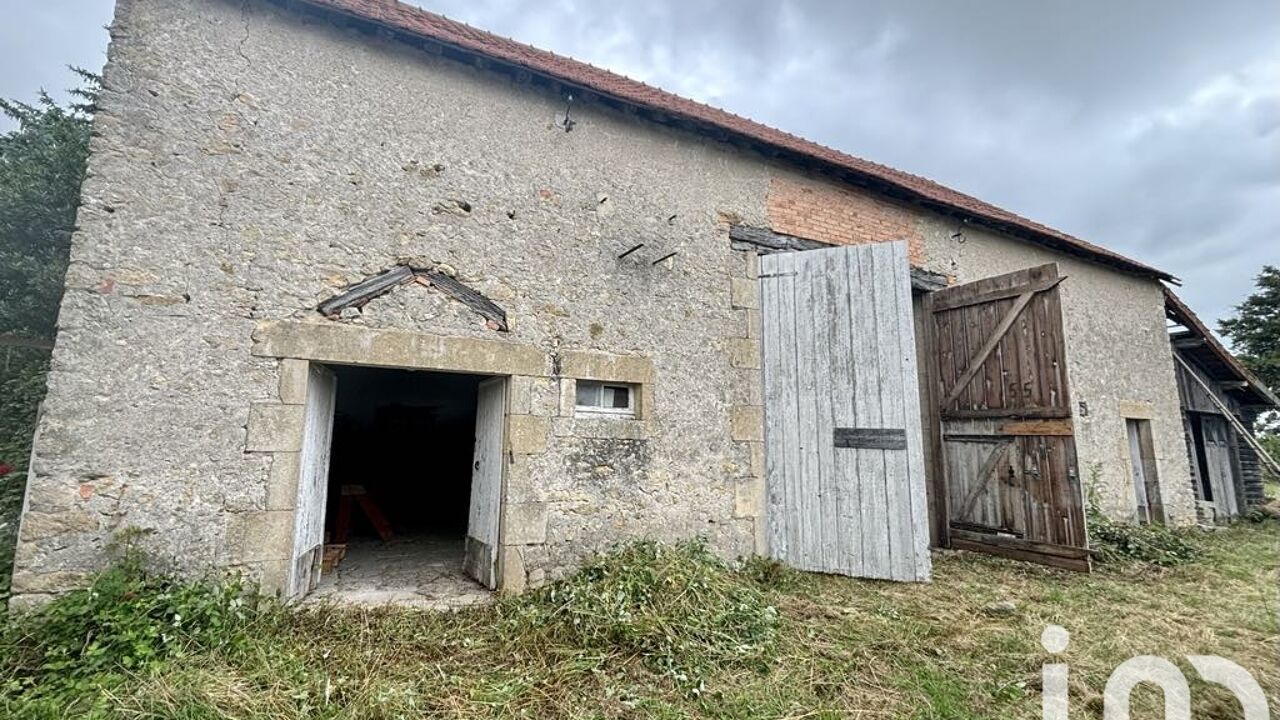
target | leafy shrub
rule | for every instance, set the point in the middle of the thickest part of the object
(1111, 541)
(1268, 513)
(127, 621)
(678, 608)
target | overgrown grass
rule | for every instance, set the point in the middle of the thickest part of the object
(659, 632)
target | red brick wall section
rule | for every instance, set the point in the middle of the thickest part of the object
(838, 216)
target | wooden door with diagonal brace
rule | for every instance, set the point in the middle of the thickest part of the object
(1008, 457)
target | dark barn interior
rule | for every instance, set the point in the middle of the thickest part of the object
(406, 438)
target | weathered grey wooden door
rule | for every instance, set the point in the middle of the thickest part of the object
(1008, 451)
(1217, 453)
(1142, 468)
(481, 556)
(845, 482)
(313, 480)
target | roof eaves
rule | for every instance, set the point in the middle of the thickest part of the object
(1182, 313)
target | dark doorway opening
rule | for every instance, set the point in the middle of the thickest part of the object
(406, 438)
(1202, 458)
(400, 486)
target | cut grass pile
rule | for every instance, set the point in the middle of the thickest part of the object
(652, 631)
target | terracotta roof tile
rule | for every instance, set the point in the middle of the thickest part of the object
(413, 20)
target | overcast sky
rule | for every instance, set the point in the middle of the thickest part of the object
(1150, 127)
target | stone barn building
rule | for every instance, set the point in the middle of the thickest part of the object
(351, 275)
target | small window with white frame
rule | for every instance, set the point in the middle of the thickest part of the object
(606, 398)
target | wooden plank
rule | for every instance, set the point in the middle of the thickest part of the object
(1040, 335)
(366, 290)
(1010, 413)
(1050, 521)
(374, 514)
(1003, 363)
(870, 438)
(958, 481)
(843, 401)
(485, 510)
(951, 300)
(1072, 506)
(925, 281)
(1023, 333)
(1046, 548)
(766, 241)
(808, 315)
(1012, 352)
(877, 561)
(975, 395)
(944, 346)
(468, 296)
(936, 473)
(959, 349)
(774, 408)
(990, 376)
(1020, 485)
(1054, 299)
(916, 475)
(892, 325)
(974, 438)
(823, 275)
(1219, 464)
(1013, 552)
(1045, 351)
(984, 529)
(785, 265)
(313, 479)
(1062, 426)
(963, 347)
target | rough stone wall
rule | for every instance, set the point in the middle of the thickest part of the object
(249, 162)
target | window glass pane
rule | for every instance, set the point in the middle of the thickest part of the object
(588, 394)
(617, 397)
(611, 399)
